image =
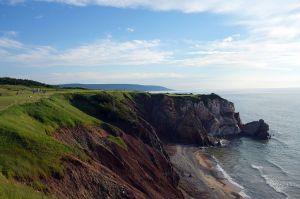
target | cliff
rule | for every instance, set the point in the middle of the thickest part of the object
(108, 144)
(192, 119)
(189, 119)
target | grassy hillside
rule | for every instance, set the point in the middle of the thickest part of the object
(27, 151)
(14, 95)
(12, 190)
(24, 136)
(27, 120)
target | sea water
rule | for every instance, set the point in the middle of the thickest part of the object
(265, 169)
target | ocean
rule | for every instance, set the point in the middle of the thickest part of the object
(265, 169)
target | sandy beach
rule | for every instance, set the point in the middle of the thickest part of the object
(199, 174)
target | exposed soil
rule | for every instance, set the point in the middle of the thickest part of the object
(112, 171)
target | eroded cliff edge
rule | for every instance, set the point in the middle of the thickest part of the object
(178, 118)
(109, 144)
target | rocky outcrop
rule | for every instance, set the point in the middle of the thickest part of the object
(118, 152)
(176, 118)
(143, 121)
(257, 129)
(192, 119)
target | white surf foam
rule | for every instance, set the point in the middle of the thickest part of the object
(279, 141)
(227, 176)
(271, 181)
(224, 142)
(278, 167)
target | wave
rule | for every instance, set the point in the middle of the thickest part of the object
(224, 142)
(271, 181)
(230, 180)
(278, 167)
(278, 140)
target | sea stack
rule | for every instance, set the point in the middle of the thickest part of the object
(257, 129)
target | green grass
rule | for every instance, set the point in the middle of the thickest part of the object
(118, 141)
(11, 95)
(111, 106)
(12, 190)
(26, 149)
(27, 121)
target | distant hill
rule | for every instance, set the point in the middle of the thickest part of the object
(131, 87)
(23, 82)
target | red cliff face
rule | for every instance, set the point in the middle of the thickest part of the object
(125, 155)
(135, 170)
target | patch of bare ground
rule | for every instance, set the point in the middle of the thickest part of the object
(111, 171)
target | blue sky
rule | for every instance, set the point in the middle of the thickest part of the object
(187, 45)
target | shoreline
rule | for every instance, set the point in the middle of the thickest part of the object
(200, 174)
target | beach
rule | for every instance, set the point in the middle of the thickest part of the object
(200, 175)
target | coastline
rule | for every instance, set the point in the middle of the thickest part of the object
(200, 174)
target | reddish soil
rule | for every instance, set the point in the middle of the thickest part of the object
(111, 171)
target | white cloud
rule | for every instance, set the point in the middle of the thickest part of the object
(130, 30)
(230, 52)
(271, 42)
(270, 18)
(161, 5)
(9, 43)
(246, 53)
(98, 77)
(100, 53)
(11, 2)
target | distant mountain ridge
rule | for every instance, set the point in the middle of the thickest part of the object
(131, 87)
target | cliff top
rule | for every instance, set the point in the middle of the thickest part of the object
(30, 116)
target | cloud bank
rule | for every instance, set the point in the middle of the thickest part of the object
(272, 41)
(100, 53)
(270, 18)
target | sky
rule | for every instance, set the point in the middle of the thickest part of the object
(184, 45)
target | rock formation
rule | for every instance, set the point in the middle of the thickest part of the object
(257, 129)
(194, 119)
(188, 119)
(110, 144)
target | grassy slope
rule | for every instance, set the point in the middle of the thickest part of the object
(24, 142)
(26, 149)
(12, 190)
(118, 141)
(12, 95)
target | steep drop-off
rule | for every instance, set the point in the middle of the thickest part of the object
(107, 144)
(190, 119)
